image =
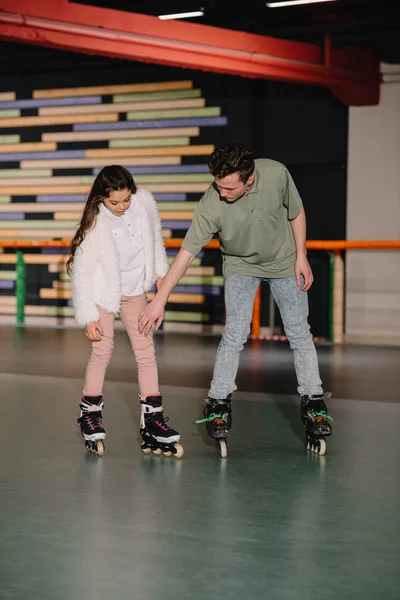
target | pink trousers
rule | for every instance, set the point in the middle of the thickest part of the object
(142, 346)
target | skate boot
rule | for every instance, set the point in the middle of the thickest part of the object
(218, 420)
(315, 418)
(91, 424)
(158, 437)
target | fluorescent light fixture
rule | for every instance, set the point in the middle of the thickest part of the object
(186, 15)
(282, 3)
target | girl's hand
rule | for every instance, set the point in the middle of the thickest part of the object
(94, 331)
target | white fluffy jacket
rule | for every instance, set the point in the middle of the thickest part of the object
(95, 270)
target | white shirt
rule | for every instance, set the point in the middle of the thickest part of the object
(128, 238)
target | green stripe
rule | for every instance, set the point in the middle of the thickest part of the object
(64, 276)
(176, 205)
(8, 275)
(10, 139)
(5, 199)
(212, 111)
(12, 112)
(33, 224)
(171, 95)
(144, 142)
(202, 279)
(25, 172)
(196, 262)
(189, 317)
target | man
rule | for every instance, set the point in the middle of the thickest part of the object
(256, 209)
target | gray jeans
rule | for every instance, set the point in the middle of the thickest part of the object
(240, 291)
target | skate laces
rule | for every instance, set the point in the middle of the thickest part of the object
(322, 415)
(161, 421)
(92, 420)
(219, 419)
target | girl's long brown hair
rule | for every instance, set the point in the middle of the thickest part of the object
(111, 178)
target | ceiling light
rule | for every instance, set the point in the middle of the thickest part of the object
(282, 3)
(186, 15)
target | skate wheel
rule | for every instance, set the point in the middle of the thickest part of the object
(222, 448)
(145, 449)
(178, 450)
(157, 451)
(100, 448)
(322, 447)
(167, 453)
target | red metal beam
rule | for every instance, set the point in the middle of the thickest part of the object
(352, 75)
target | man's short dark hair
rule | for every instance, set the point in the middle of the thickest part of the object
(232, 158)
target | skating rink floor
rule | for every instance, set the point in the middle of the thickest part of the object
(271, 521)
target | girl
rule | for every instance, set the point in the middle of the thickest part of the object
(117, 254)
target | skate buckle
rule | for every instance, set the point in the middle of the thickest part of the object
(211, 417)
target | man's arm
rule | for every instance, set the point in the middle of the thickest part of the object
(302, 266)
(155, 310)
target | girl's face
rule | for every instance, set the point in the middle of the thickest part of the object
(118, 201)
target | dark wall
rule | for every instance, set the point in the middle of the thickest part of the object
(304, 127)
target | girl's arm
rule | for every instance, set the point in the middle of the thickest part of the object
(161, 261)
(82, 290)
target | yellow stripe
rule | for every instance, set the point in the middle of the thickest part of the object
(28, 147)
(181, 150)
(35, 259)
(6, 96)
(8, 301)
(79, 136)
(49, 234)
(113, 89)
(123, 107)
(182, 298)
(57, 120)
(39, 181)
(70, 163)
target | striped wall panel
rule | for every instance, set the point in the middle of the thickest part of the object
(50, 156)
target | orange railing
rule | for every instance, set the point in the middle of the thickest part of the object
(334, 247)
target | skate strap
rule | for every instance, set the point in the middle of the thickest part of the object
(152, 409)
(92, 407)
(211, 417)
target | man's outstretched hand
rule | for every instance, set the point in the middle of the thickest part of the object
(153, 313)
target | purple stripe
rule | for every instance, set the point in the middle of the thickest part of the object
(5, 284)
(51, 102)
(151, 124)
(198, 289)
(62, 198)
(11, 216)
(176, 224)
(41, 155)
(54, 251)
(163, 197)
(163, 169)
(69, 303)
(174, 252)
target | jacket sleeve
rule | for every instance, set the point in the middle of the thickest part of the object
(161, 262)
(83, 269)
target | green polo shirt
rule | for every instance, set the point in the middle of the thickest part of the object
(254, 231)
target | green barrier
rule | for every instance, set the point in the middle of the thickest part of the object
(331, 284)
(20, 287)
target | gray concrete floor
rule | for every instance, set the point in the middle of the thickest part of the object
(271, 521)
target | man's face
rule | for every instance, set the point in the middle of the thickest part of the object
(231, 187)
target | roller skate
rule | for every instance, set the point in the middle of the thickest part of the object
(315, 418)
(158, 437)
(91, 424)
(218, 420)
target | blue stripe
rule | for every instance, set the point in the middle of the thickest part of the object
(62, 198)
(12, 216)
(198, 289)
(5, 284)
(51, 102)
(15, 156)
(163, 169)
(176, 224)
(54, 251)
(174, 252)
(152, 124)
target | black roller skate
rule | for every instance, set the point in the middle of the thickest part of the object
(91, 424)
(315, 418)
(218, 420)
(158, 437)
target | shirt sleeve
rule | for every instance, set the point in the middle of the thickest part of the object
(204, 225)
(291, 198)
